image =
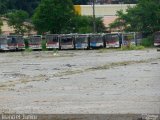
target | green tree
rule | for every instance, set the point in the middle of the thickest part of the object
(144, 17)
(53, 15)
(84, 24)
(16, 20)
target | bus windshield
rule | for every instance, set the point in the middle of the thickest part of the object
(3, 40)
(157, 37)
(12, 40)
(114, 38)
(52, 38)
(81, 39)
(66, 40)
(35, 40)
(20, 40)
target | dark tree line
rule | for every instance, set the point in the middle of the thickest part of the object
(26, 5)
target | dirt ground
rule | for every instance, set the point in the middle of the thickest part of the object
(80, 81)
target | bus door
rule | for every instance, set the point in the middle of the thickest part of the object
(20, 42)
(138, 38)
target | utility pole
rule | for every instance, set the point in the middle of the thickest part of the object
(94, 20)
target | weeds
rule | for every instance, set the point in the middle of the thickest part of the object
(43, 44)
(26, 43)
(133, 47)
(28, 50)
(148, 42)
(55, 51)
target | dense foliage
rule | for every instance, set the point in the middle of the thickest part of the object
(53, 15)
(16, 20)
(58, 16)
(26, 5)
(84, 24)
(144, 17)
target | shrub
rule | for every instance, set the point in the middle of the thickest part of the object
(148, 42)
(28, 50)
(132, 47)
(43, 44)
(26, 43)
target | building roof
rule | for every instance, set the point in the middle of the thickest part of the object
(108, 20)
(6, 29)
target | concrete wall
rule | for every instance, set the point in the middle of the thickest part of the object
(101, 10)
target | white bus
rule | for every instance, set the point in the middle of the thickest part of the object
(35, 42)
(81, 41)
(3, 43)
(52, 41)
(66, 41)
(96, 41)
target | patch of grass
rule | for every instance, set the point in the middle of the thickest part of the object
(140, 47)
(148, 42)
(68, 72)
(133, 47)
(103, 50)
(102, 67)
(2, 86)
(55, 51)
(24, 81)
(28, 50)
(117, 64)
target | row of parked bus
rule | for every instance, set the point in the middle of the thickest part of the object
(70, 41)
